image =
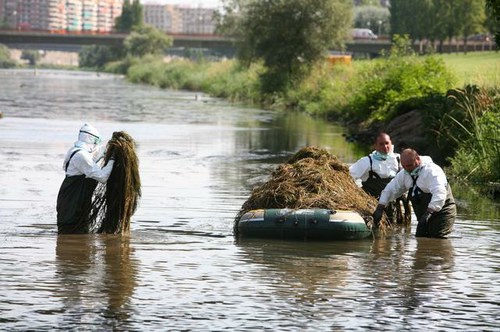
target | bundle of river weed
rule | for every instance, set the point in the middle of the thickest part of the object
(312, 178)
(115, 202)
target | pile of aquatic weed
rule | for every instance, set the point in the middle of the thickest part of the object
(115, 202)
(311, 178)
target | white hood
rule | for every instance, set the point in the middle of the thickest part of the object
(88, 137)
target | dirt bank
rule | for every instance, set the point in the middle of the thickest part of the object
(406, 131)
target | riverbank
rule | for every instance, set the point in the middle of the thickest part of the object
(421, 102)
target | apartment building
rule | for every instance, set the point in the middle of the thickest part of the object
(107, 11)
(164, 17)
(56, 15)
(60, 15)
(197, 20)
(180, 19)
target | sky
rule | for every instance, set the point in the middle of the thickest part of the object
(192, 3)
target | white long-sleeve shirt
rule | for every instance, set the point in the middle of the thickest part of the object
(384, 168)
(431, 179)
(83, 162)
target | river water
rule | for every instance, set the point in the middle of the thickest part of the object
(181, 268)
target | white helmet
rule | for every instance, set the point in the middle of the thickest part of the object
(89, 134)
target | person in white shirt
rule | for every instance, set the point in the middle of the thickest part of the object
(376, 170)
(429, 192)
(83, 171)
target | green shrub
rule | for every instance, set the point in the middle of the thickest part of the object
(148, 69)
(96, 56)
(323, 92)
(394, 80)
(229, 79)
(5, 60)
(33, 56)
(121, 66)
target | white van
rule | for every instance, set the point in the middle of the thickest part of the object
(363, 34)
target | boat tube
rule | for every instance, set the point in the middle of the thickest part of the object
(302, 224)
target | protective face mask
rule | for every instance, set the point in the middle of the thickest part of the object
(414, 172)
(380, 156)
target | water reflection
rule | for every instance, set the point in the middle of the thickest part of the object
(431, 269)
(474, 204)
(410, 273)
(97, 277)
(310, 272)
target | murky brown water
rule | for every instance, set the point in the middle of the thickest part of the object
(181, 268)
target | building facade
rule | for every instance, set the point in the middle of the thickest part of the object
(60, 15)
(180, 19)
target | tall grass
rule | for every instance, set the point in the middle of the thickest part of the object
(477, 134)
(225, 79)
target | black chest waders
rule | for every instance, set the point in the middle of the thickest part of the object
(74, 203)
(441, 223)
(374, 186)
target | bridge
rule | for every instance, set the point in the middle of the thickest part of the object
(73, 42)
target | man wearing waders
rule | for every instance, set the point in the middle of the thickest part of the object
(429, 192)
(376, 170)
(74, 200)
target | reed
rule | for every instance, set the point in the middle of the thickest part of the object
(475, 127)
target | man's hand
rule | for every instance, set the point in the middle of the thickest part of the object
(425, 218)
(377, 215)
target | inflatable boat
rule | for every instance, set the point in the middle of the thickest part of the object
(302, 224)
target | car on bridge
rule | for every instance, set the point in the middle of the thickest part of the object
(363, 34)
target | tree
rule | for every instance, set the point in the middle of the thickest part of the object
(375, 18)
(146, 39)
(409, 18)
(493, 7)
(442, 10)
(96, 56)
(5, 59)
(287, 35)
(132, 15)
(436, 19)
(452, 22)
(473, 16)
(33, 56)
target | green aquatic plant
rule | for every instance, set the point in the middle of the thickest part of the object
(115, 202)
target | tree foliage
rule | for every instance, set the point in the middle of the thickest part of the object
(96, 56)
(141, 41)
(287, 35)
(5, 59)
(372, 17)
(33, 56)
(437, 20)
(146, 39)
(473, 17)
(493, 8)
(132, 15)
